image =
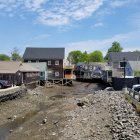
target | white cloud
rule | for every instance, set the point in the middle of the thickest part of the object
(34, 5)
(52, 12)
(67, 11)
(41, 36)
(120, 3)
(99, 24)
(59, 12)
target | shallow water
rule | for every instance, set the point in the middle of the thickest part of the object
(7, 128)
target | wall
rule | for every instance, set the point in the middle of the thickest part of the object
(118, 83)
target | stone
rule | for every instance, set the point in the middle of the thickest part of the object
(44, 121)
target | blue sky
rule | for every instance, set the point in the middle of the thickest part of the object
(85, 25)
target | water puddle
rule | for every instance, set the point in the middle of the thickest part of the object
(7, 128)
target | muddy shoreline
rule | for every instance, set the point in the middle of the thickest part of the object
(83, 111)
(27, 112)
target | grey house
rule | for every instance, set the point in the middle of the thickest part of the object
(53, 57)
(132, 68)
(117, 63)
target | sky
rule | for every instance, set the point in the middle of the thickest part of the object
(85, 25)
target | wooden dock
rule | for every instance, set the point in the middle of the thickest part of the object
(61, 82)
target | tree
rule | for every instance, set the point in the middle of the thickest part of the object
(96, 56)
(15, 56)
(116, 47)
(4, 57)
(84, 57)
(74, 57)
(136, 72)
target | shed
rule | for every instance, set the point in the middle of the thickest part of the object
(18, 72)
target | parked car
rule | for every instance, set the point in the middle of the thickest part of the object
(136, 88)
(5, 83)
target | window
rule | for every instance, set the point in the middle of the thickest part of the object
(56, 62)
(56, 74)
(41, 74)
(49, 62)
(122, 64)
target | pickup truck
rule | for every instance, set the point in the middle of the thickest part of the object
(5, 83)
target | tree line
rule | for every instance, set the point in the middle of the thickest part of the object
(15, 56)
(74, 56)
(96, 56)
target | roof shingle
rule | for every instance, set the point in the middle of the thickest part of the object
(43, 53)
(129, 56)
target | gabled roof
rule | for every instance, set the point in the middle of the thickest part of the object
(43, 53)
(12, 67)
(129, 56)
(135, 65)
(42, 66)
(9, 66)
(25, 67)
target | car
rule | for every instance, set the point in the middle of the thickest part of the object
(136, 88)
(4, 84)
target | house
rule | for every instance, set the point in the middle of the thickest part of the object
(89, 70)
(107, 74)
(116, 61)
(52, 56)
(132, 68)
(42, 66)
(18, 73)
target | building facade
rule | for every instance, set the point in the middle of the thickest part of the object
(53, 57)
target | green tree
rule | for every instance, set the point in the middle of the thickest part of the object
(84, 57)
(15, 55)
(4, 57)
(136, 72)
(74, 57)
(116, 47)
(96, 56)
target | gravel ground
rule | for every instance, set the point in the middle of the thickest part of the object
(102, 116)
(81, 112)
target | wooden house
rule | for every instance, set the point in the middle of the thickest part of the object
(117, 63)
(18, 73)
(52, 56)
